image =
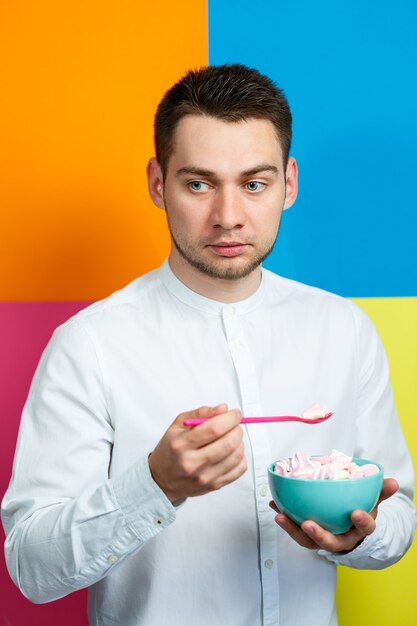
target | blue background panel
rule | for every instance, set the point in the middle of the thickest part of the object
(349, 71)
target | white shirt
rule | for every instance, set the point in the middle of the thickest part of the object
(82, 508)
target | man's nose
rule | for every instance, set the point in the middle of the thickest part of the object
(228, 210)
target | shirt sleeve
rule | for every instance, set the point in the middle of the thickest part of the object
(380, 438)
(67, 523)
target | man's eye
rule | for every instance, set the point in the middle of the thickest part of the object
(255, 185)
(197, 185)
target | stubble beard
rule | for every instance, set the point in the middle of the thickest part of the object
(220, 269)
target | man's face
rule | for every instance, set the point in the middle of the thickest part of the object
(224, 193)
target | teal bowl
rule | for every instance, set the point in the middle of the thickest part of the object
(327, 502)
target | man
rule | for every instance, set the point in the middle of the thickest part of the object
(169, 524)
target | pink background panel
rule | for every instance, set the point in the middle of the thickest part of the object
(25, 329)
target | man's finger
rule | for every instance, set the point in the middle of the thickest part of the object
(364, 522)
(230, 474)
(274, 506)
(213, 429)
(389, 487)
(292, 529)
(295, 532)
(203, 412)
(217, 451)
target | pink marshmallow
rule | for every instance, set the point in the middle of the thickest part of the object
(335, 466)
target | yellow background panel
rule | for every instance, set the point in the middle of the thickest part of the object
(388, 597)
(80, 83)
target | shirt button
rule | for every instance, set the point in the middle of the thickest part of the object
(269, 563)
(263, 490)
(239, 344)
(232, 310)
(112, 559)
(159, 521)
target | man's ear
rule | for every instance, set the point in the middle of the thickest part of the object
(155, 182)
(291, 183)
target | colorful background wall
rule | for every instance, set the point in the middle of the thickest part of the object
(80, 82)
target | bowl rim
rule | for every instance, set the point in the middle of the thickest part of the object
(327, 480)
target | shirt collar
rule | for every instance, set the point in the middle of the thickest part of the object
(197, 301)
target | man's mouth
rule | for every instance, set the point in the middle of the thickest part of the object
(228, 248)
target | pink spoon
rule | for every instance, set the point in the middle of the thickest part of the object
(275, 418)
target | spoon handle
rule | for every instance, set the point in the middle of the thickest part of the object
(259, 420)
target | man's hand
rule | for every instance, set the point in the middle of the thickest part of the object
(311, 535)
(191, 461)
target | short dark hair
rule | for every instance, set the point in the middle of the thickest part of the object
(232, 93)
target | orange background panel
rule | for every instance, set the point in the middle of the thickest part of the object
(80, 86)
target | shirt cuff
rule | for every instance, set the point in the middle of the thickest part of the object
(143, 504)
